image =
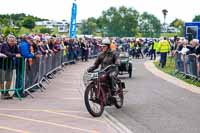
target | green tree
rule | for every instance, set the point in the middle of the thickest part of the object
(8, 30)
(149, 25)
(196, 18)
(179, 24)
(45, 30)
(119, 22)
(89, 26)
(29, 22)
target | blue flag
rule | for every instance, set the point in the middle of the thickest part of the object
(72, 31)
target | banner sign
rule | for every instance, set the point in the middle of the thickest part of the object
(72, 31)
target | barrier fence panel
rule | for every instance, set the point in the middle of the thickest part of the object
(60, 57)
(8, 80)
(198, 67)
(42, 68)
(192, 66)
(31, 73)
(188, 65)
(68, 58)
(49, 63)
(179, 62)
(53, 63)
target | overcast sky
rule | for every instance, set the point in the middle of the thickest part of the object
(61, 9)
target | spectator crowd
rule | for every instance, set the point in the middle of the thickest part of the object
(37, 45)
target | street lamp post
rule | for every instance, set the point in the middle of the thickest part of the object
(164, 11)
(151, 30)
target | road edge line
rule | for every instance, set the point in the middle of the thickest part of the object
(155, 71)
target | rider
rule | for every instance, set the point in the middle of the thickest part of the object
(107, 57)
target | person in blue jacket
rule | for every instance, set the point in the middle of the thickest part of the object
(25, 47)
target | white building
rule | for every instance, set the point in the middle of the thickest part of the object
(63, 25)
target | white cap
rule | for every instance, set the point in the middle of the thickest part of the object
(106, 41)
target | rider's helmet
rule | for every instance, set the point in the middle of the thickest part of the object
(106, 41)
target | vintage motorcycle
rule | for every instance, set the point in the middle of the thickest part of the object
(99, 94)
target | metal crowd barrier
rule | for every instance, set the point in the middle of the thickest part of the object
(39, 68)
(191, 66)
(188, 65)
(198, 67)
(31, 73)
(11, 75)
(68, 57)
(179, 62)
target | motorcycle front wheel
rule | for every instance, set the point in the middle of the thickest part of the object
(93, 101)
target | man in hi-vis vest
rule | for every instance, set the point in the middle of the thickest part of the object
(163, 48)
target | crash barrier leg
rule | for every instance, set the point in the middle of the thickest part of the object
(9, 67)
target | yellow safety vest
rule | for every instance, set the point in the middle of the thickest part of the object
(164, 46)
(131, 45)
(64, 51)
(155, 47)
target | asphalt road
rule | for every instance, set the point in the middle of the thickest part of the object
(153, 105)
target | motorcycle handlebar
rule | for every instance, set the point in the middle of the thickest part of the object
(107, 67)
(102, 69)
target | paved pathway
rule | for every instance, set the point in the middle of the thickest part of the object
(59, 109)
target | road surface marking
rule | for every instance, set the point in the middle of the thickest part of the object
(74, 116)
(121, 128)
(79, 99)
(13, 130)
(40, 110)
(48, 123)
(57, 113)
(55, 98)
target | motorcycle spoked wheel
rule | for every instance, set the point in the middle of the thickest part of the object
(94, 104)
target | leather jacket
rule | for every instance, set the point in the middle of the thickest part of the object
(105, 59)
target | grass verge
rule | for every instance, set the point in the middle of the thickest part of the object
(170, 69)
